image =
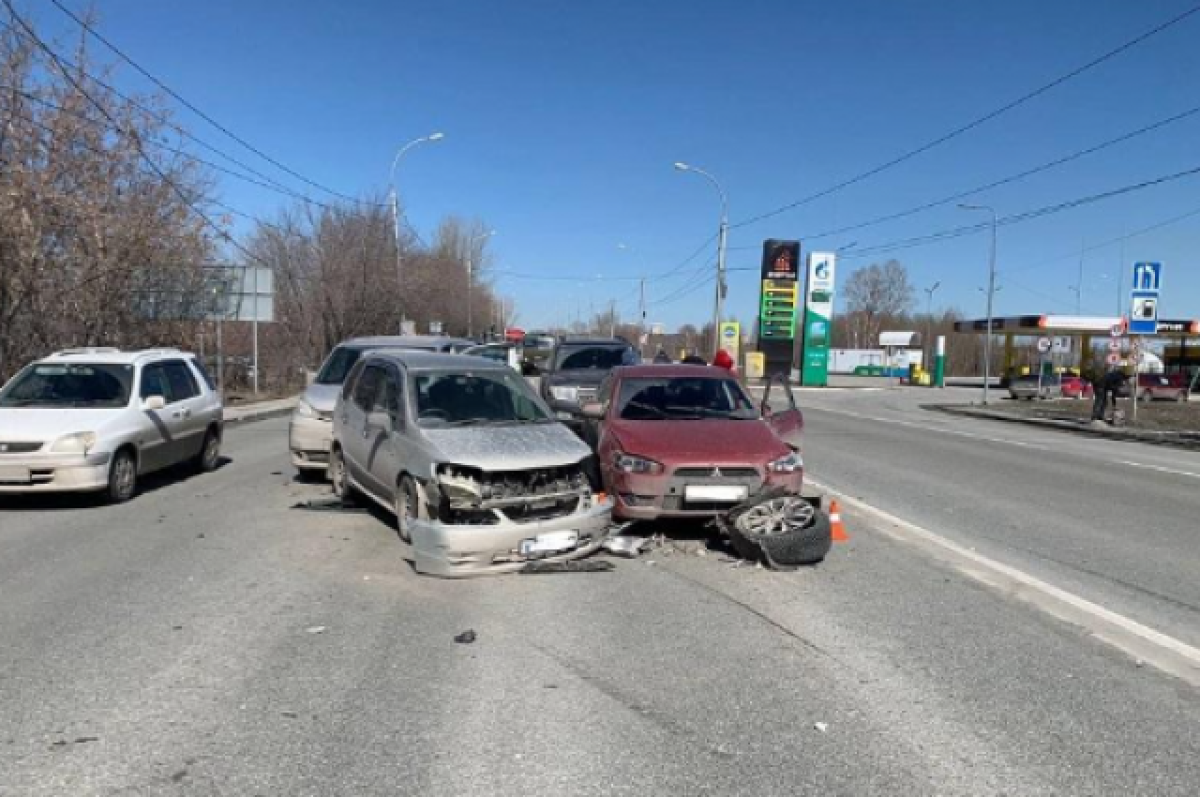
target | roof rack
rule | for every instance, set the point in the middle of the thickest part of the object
(86, 350)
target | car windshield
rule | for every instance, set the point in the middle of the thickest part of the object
(338, 365)
(594, 358)
(683, 398)
(465, 398)
(56, 386)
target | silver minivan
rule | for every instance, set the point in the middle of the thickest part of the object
(479, 474)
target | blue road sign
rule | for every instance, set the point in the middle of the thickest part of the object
(1143, 298)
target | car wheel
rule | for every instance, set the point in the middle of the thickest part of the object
(338, 479)
(122, 477)
(409, 507)
(210, 454)
(1181, 397)
(783, 531)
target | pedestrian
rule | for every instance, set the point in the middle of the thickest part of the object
(1106, 390)
(723, 360)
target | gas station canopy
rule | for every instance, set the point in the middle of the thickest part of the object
(1071, 325)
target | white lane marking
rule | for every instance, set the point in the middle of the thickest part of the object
(1159, 468)
(1165, 652)
(927, 427)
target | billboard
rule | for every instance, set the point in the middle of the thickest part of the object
(818, 318)
(778, 301)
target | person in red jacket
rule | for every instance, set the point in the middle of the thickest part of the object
(723, 360)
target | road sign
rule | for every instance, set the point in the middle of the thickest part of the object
(1044, 344)
(1143, 298)
(1062, 345)
(1114, 344)
(1114, 358)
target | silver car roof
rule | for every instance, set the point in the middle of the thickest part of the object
(438, 361)
(383, 341)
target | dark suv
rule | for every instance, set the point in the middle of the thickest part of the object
(575, 370)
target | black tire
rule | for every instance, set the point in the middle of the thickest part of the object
(210, 453)
(122, 477)
(338, 479)
(785, 550)
(409, 507)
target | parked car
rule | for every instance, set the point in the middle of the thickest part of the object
(687, 441)
(310, 431)
(97, 420)
(1031, 386)
(498, 352)
(1172, 387)
(478, 473)
(536, 348)
(1076, 387)
(575, 370)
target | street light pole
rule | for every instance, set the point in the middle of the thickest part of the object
(396, 210)
(722, 234)
(991, 292)
(929, 318)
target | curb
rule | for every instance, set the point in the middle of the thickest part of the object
(1133, 436)
(260, 415)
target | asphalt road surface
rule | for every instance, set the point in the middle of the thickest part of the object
(210, 639)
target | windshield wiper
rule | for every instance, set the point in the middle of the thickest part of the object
(648, 407)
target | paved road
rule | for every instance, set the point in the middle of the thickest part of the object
(168, 647)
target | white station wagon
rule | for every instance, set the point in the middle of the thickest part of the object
(97, 419)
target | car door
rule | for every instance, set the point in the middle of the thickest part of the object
(384, 427)
(163, 427)
(354, 422)
(188, 407)
(780, 411)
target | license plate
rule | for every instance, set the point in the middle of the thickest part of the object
(550, 543)
(11, 475)
(716, 492)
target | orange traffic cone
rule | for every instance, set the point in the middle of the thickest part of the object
(835, 523)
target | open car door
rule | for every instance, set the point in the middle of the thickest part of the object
(780, 411)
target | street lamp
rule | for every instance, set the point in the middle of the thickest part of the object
(929, 318)
(991, 292)
(721, 235)
(471, 278)
(396, 208)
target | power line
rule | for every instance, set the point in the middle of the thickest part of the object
(133, 139)
(190, 106)
(979, 121)
(1010, 179)
(1048, 210)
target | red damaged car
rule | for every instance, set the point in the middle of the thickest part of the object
(687, 441)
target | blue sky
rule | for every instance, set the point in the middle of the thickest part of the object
(562, 120)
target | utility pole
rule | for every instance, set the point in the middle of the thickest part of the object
(641, 315)
(929, 317)
(722, 234)
(254, 327)
(1079, 284)
(991, 293)
(612, 318)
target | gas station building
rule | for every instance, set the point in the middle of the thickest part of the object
(1182, 336)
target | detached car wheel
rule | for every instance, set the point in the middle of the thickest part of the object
(122, 478)
(782, 531)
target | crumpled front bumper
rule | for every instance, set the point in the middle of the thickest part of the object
(453, 551)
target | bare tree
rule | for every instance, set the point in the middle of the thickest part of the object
(875, 293)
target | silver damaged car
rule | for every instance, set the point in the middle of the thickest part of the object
(480, 476)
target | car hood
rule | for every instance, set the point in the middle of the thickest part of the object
(500, 448)
(322, 397)
(584, 376)
(708, 442)
(17, 424)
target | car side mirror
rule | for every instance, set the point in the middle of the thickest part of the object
(154, 403)
(593, 410)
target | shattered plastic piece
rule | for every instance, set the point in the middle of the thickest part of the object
(823, 727)
(466, 637)
(316, 629)
(625, 546)
(331, 504)
(569, 566)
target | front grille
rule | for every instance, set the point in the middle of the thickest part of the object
(19, 448)
(710, 473)
(321, 457)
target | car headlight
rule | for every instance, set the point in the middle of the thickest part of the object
(790, 463)
(75, 443)
(305, 410)
(629, 463)
(565, 393)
